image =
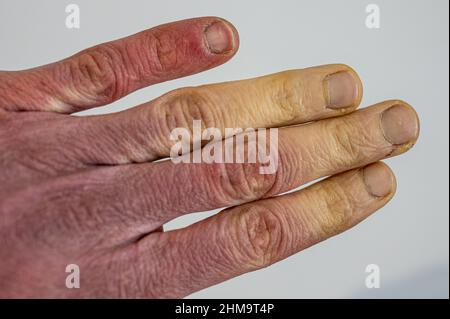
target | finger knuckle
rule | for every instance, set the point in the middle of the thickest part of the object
(262, 233)
(95, 74)
(181, 107)
(164, 48)
(244, 182)
(288, 97)
(350, 140)
(336, 209)
(245, 178)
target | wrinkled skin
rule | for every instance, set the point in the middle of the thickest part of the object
(87, 190)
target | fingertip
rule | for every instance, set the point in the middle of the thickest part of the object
(379, 180)
(344, 89)
(221, 37)
(400, 123)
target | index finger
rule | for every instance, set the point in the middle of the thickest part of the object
(102, 74)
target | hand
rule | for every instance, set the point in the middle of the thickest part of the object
(88, 190)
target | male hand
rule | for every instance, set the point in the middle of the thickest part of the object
(89, 190)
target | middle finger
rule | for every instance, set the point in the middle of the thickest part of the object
(143, 133)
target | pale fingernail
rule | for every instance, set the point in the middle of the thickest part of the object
(400, 124)
(219, 37)
(341, 90)
(379, 179)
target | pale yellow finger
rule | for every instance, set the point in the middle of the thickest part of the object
(291, 97)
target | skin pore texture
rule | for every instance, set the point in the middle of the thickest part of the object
(90, 190)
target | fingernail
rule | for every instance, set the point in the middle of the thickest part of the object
(219, 37)
(400, 124)
(341, 89)
(379, 179)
